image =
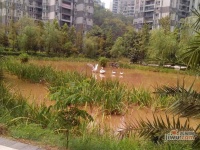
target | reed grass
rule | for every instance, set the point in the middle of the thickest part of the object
(73, 88)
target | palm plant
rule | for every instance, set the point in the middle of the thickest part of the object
(192, 56)
(187, 104)
(156, 129)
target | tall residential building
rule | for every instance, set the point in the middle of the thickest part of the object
(72, 12)
(116, 6)
(127, 7)
(150, 11)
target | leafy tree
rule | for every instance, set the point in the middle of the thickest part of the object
(118, 48)
(100, 14)
(133, 46)
(72, 34)
(3, 36)
(165, 23)
(12, 35)
(51, 38)
(90, 47)
(162, 47)
(116, 26)
(28, 38)
(79, 41)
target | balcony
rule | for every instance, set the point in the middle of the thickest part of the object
(183, 8)
(66, 11)
(66, 18)
(150, 2)
(66, 6)
(149, 8)
(185, 2)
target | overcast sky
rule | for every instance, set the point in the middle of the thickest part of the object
(107, 2)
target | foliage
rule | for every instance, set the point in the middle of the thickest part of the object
(118, 48)
(191, 56)
(156, 129)
(165, 24)
(141, 97)
(162, 47)
(36, 133)
(90, 47)
(24, 57)
(1, 69)
(103, 61)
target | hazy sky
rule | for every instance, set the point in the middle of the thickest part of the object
(107, 2)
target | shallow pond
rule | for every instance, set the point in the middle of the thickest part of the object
(132, 77)
(38, 93)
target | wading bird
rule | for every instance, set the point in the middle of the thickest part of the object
(113, 72)
(102, 71)
(94, 68)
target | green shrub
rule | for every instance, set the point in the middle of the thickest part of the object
(103, 61)
(24, 57)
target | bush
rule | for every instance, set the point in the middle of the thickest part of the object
(24, 57)
(103, 61)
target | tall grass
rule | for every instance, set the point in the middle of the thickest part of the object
(72, 88)
(94, 139)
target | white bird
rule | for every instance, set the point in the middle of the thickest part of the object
(102, 71)
(176, 67)
(113, 72)
(94, 68)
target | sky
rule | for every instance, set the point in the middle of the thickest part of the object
(107, 2)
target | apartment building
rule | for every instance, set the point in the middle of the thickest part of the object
(72, 12)
(150, 11)
(116, 7)
(83, 14)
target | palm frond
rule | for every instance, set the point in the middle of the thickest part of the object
(192, 56)
(188, 100)
(197, 14)
(156, 129)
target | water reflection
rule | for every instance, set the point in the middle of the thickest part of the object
(102, 76)
(121, 76)
(94, 75)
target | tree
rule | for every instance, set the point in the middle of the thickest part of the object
(184, 35)
(90, 47)
(115, 25)
(51, 38)
(3, 36)
(165, 23)
(162, 47)
(118, 48)
(28, 38)
(12, 34)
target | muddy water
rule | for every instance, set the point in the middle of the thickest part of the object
(132, 115)
(38, 93)
(35, 93)
(132, 77)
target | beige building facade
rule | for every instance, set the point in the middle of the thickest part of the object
(72, 12)
(150, 11)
